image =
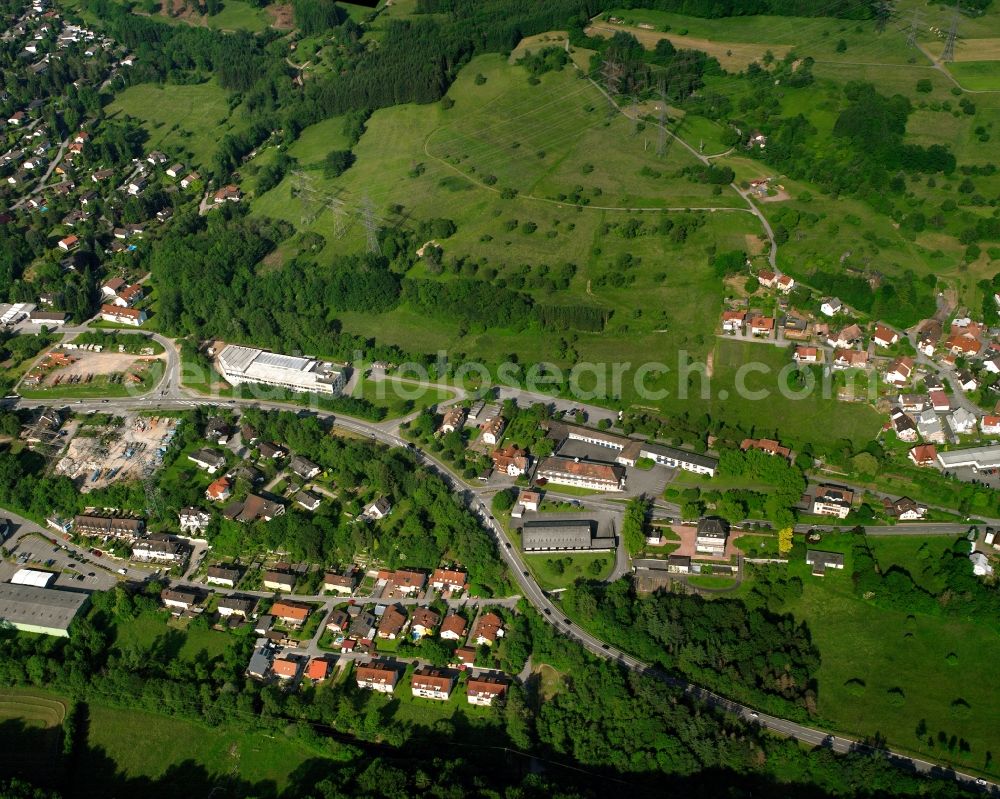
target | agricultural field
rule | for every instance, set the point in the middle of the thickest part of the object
(185, 121)
(884, 671)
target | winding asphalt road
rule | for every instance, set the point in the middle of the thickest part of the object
(171, 395)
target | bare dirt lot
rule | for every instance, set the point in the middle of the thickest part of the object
(124, 449)
(731, 55)
(282, 16)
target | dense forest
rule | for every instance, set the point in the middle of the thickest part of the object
(848, 9)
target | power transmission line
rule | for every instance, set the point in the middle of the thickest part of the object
(949, 45)
(915, 24)
(371, 229)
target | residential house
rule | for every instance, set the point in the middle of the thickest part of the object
(806, 355)
(129, 295)
(900, 371)
(448, 579)
(453, 627)
(930, 428)
(159, 549)
(511, 461)
(407, 582)
(207, 459)
(884, 336)
(376, 676)
(967, 380)
(453, 419)
(379, 509)
(156, 158)
(424, 622)
(279, 581)
(492, 431)
(923, 455)
(488, 628)
(285, 668)
(483, 689)
(529, 500)
(112, 287)
(732, 321)
(785, 284)
(217, 430)
(465, 657)
(134, 317)
(850, 359)
(831, 500)
(795, 327)
(260, 660)
(254, 508)
(992, 365)
(137, 185)
(317, 670)
(303, 467)
(962, 344)
(847, 337)
(225, 576)
(912, 403)
(432, 683)
(363, 626)
(831, 306)
(180, 600)
(189, 180)
(940, 401)
(292, 614)
(193, 520)
(175, 170)
(904, 509)
(770, 446)
(270, 451)
(906, 429)
(338, 621)
(70, 242)
(392, 623)
(710, 538)
(308, 500)
(990, 425)
(219, 490)
(338, 583)
(762, 326)
(961, 421)
(236, 606)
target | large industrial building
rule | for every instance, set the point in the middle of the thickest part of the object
(978, 457)
(248, 365)
(39, 610)
(555, 535)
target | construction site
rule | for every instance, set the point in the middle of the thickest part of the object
(85, 365)
(129, 447)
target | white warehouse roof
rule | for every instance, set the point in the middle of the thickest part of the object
(34, 577)
(980, 457)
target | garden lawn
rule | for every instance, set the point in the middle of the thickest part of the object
(399, 397)
(575, 566)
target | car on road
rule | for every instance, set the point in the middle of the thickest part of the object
(567, 621)
(605, 647)
(548, 612)
(755, 716)
(508, 545)
(525, 574)
(91, 574)
(123, 571)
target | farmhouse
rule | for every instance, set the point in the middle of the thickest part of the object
(240, 365)
(47, 611)
(376, 676)
(563, 535)
(432, 683)
(770, 446)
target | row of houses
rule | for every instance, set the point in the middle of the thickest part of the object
(428, 682)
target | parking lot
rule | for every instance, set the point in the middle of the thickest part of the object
(32, 551)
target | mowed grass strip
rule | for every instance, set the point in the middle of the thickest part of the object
(30, 734)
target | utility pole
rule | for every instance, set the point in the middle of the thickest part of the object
(661, 150)
(612, 80)
(371, 230)
(949, 45)
(915, 23)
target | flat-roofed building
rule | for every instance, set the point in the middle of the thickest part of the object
(563, 534)
(821, 561)
(31, 609)
(978, 457)
(297, 373)
(35, 577)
